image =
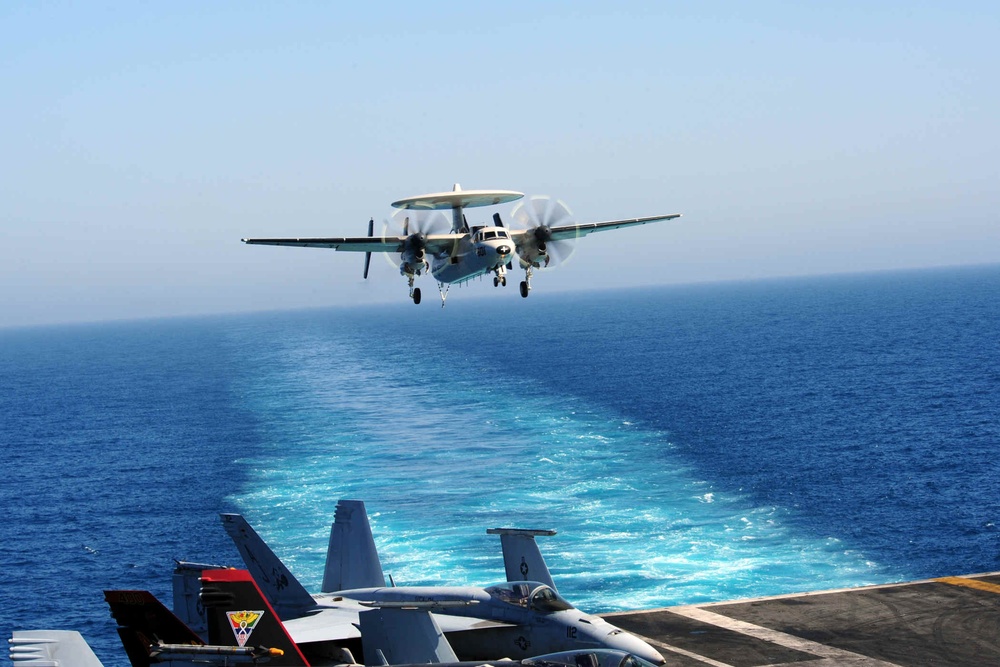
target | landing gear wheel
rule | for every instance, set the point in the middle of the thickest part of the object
(524, 289)
(496, 281)
(416, 295)
(503, 281)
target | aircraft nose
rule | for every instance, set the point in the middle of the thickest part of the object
(503, 250)
(625, 641)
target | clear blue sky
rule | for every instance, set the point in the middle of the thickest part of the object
(140, 141)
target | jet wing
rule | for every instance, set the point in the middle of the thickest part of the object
(563, 232)
(328, 624)
(435, 243)
(338, 623)
(51, 647)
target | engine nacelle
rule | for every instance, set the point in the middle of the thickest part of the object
(533, 255)
(412, 268)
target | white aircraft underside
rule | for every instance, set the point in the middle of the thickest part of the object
(468, 252)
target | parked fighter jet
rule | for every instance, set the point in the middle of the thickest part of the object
(516, 618)
(405, 635)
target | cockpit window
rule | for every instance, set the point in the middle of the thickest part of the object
(530, 595)
(501, 234)
(489, 235)
(546, 599)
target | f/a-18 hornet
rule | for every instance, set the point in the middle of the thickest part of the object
(542, 236)
(518, 618)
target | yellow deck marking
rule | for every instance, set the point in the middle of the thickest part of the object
(970, 583)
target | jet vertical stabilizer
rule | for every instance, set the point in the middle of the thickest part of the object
(521, 557)
(143, 622)
(281, 589)
(187, 587)
(239, 615)
(351, 559)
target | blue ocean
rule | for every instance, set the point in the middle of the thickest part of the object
(688, 443)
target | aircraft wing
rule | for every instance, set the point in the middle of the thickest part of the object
(435, 243)
(338, 623)
(563, 232)
(51, 647)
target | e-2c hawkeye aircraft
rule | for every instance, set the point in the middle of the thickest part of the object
(542, 237)
(518, 618)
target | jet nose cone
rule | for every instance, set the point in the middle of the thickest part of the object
(628, 642)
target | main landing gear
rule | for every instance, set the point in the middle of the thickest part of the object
(414, 291)
(526, 283)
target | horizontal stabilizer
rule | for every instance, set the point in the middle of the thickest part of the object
(521, 558)
(280, 587)
(351, 559)
(403, 637)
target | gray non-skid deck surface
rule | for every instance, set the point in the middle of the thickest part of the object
(951, 621)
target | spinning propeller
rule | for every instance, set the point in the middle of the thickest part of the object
(537, 215)
(416, 226)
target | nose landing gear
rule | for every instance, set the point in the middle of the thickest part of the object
(501, 276)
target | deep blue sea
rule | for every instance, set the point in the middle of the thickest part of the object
(688, 443)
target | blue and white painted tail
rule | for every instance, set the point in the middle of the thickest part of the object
(521, 558)
(351, 560)
(288, 597)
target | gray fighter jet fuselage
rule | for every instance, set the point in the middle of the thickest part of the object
(526, 619)
(514, 619)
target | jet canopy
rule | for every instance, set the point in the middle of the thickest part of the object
(530, 595)
(590, 658)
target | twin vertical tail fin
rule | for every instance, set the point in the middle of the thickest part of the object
(288, 597)
(242, 626)
(143, 622)
(187, 590)
(239, 615)
(351, 560)
(521, 558)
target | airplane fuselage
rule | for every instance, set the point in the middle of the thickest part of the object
(483, 250)
(538, 621)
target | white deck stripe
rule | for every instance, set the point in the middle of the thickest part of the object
(841, 656)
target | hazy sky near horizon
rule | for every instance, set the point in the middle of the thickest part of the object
(141, 141)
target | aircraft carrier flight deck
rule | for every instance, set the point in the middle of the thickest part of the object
(935, 622)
